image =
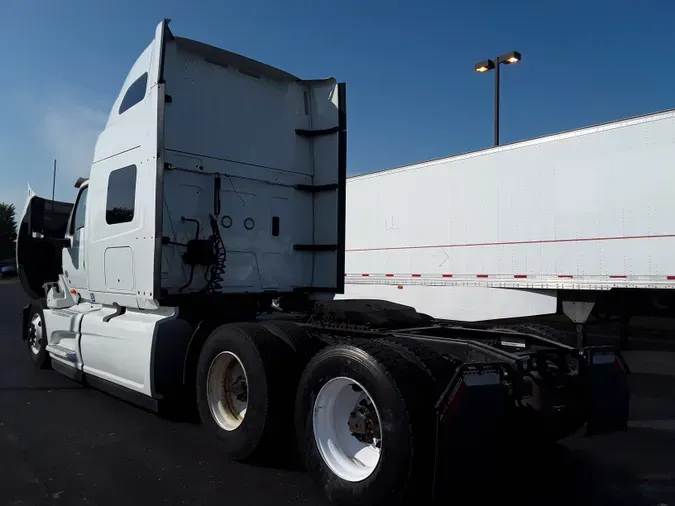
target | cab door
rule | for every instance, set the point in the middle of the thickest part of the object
(74, 256)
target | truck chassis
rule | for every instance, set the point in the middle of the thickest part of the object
(465, 392)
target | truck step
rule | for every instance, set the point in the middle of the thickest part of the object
(62, 352)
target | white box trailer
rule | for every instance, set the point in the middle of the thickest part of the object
(517, 230)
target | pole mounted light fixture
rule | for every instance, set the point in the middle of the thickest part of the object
(486, 65)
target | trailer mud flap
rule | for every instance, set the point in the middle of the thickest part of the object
(469, 423)
(608, 400)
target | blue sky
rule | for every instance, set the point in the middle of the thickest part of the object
(412, 92)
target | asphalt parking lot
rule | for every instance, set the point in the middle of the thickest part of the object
(61, 443)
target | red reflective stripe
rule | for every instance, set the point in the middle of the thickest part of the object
(512, 243)
(483, 276)
(670, 278)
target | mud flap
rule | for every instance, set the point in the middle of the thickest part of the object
(608, 397)
(470, 418)
(25, 320)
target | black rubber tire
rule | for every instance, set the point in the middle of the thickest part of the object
(401, 392)
(269, 415)
(41, 360)
(439, 368)
(297, 338)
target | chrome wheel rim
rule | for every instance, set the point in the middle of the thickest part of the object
(35, 334)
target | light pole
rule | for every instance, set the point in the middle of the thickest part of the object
(484, 66)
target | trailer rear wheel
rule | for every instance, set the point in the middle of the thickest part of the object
(244, 393)
(364, 424)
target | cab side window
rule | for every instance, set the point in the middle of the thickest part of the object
(135, 93)
(80, 212)
(121, 199)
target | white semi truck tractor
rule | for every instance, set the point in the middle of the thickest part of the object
(201, 260)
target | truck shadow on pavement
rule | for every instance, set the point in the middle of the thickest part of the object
(562, 476)
(635, 467)
(631, 468)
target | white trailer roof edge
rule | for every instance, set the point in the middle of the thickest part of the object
(654, 116)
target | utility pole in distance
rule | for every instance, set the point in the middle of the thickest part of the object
(53, 188)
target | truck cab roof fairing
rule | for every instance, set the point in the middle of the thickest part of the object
(209, 53)
(226, 58)
(140, 66)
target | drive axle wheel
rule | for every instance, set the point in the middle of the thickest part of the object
(37, 340)
(243, 391)
(347, 430)
(364, 424)
(227, 390)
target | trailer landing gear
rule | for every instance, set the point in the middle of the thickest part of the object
(578, 311)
